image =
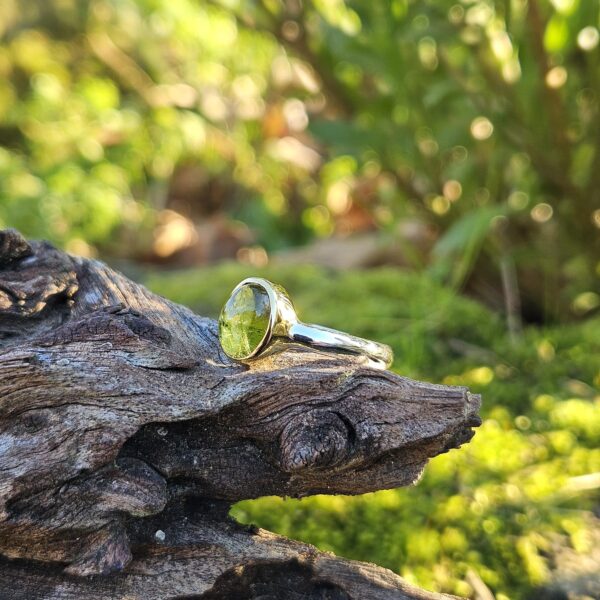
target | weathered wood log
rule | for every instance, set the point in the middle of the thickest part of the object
(126, 434)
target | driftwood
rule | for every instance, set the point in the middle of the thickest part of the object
(126, 434)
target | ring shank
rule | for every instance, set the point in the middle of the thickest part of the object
(331, 339)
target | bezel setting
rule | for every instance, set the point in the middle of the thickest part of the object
(268, 287)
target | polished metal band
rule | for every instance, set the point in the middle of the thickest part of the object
(331, 339)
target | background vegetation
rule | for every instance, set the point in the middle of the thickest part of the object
(129, 124)
(455, 139)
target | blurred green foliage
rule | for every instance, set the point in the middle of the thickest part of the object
(500, 504)
(479, 117)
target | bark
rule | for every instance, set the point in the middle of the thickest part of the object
(126, 434)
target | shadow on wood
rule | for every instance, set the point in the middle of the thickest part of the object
(126, 434)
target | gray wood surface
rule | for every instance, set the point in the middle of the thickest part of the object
(126, 434)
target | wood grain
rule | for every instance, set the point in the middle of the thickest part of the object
(126, 434)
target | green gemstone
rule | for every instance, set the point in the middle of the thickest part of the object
(244, 321)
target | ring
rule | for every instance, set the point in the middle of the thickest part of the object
(259, 316)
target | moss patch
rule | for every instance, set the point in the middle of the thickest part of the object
(499, 504)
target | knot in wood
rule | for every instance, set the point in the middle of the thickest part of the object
(13, 246)
(318, 439)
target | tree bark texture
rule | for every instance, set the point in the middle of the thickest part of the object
(126, 434)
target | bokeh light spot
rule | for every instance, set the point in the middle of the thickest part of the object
(556, 77)
(452, 190)
(481, 128)
(542, 212)
(588, 38)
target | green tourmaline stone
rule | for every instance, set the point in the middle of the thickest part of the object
(244, 321)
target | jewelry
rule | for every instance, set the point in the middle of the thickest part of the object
(259, 317)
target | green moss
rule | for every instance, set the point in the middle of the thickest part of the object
(494, 505)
